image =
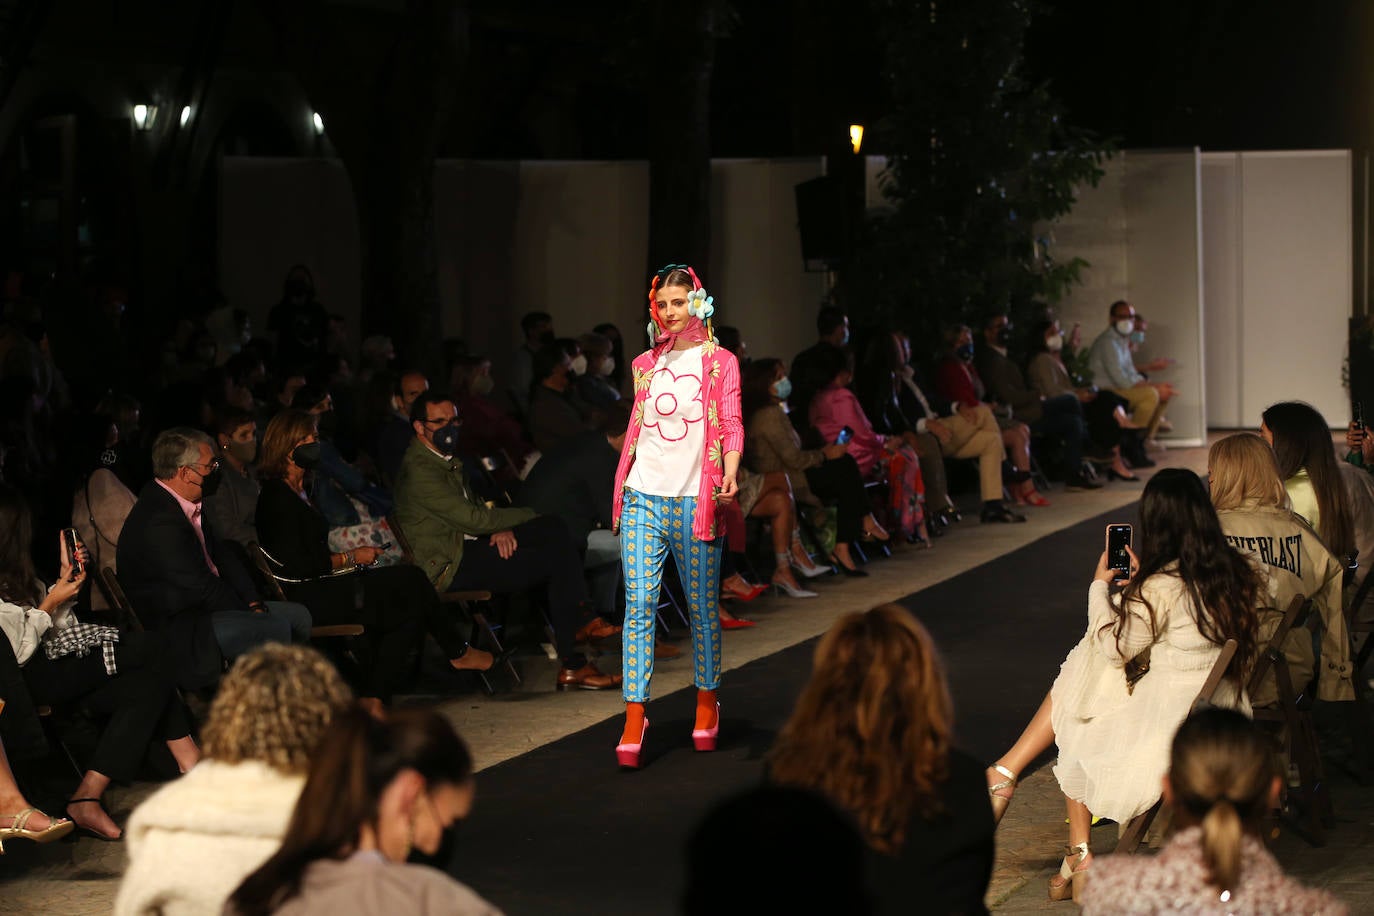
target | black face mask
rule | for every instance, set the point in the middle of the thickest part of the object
(306, 456)
(446, 439)
(965, 352)
(1003, 336)
(209, 484)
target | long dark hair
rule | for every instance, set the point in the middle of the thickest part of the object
(756, 387)
(1303, 440)
(18, 581)
(357, 759)
(1179, 525)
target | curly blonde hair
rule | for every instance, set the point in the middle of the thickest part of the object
(871, 729)
(273, 706)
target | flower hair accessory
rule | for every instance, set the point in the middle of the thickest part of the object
(700, 304)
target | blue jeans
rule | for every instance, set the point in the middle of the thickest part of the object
(238, 631)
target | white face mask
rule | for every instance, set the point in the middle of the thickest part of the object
(579, 365)
(1055, 342)
(608, 365)
(1125, 326)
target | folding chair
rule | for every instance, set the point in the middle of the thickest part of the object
(1291, 719)
(273, 580)
(118, 600)
(469, 603)
(1133, 832)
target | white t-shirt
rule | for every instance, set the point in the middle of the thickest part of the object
(672, 438)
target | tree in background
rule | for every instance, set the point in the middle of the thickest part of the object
(978, 158)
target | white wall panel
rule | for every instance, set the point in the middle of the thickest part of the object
(1221, 246)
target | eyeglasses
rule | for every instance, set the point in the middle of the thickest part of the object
(212, 465)
(444, 421)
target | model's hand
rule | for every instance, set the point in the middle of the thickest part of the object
(504, 542)
(729, 489)
(939, 431)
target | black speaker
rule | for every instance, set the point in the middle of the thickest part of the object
(821, 221)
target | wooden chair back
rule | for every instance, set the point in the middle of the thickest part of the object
(115, 592)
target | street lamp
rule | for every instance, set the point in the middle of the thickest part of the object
(144, 116)
(856, 136)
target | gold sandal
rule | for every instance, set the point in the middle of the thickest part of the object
(57, 828)
(1000, 802)
(1071, 873)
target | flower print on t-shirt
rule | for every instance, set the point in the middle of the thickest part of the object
(674, 401)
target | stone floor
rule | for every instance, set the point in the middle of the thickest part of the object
(82, 877)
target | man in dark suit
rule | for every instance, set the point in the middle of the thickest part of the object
(183, 581)
(1059, 417)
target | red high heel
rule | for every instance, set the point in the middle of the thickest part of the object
(704, 739)
(748, 594)
(628, 755)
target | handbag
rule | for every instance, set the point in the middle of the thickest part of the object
(1136, 668)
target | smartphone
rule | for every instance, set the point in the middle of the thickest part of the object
(845, 435)
(1118, 539)
(70, 542)
(1359, 416)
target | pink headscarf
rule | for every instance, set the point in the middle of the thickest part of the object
(696, 330)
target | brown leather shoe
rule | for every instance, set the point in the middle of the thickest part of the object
(596, 628)
(665, 649)
(588, 677)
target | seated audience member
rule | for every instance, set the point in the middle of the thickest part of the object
(593, 384)
(376, 356)
(101, 502)
(618, 372)
(182, 580)
(1222, 783)
(554, 413)
(299, 320)
(336, 483)
(771, 444)
(490, 429)
(1059, 417)
(1311, 474)
(462, 544)
(886, 458)
(873, 733)
(388, 787)
(957, 381)
(97, 669)
(20, 820)
(1188, 592)
(1113, 368)
(1253, 509)
(193, 840)
(880, 389)
(231, 505)
(809, 367)
(289, 382)
(394, 435)
(398, 605)
(788, 832)
(1108, 427)
(538, 330)
(730, 338)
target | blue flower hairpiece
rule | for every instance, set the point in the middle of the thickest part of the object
(700, 305)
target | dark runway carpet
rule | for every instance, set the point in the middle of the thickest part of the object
(561, 830)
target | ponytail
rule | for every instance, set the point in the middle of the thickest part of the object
(1221, 840)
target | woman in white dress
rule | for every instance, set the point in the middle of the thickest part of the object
(1188, 592)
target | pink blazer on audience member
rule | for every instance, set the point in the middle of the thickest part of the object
(832, 410)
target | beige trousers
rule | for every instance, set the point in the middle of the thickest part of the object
(980, 439)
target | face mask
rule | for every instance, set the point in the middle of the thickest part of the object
(243, 452)
(579, 364)
(209, 483)
(1055, 342)
(1125, 326)
(965, 352)
(306, 456)
(1137, 337)
(782, 388)
(446, 439)
(608, 366)
(483, 384)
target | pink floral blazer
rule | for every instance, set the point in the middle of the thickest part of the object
(724, 429)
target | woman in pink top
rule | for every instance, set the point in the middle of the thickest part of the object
(680, 458)
(889, 458)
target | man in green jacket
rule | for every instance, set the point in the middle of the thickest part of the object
(463, 544)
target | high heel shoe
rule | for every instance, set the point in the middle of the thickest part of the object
(749, 594)
(1114, 474)
(57, 828)
(810, 572)
(629, 755)
(704, 739)
(793, 591)
(850, 571)
(1071, 875)
(1000, 802)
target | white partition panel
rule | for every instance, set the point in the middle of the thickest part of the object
(1221, 246)
(1297, 280)
(1164, 262)
(1096, 232)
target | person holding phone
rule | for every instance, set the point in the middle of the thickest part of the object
(399, 604)
(1133, 676)
(681, 457)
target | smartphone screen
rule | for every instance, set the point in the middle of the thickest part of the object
(845, 435)
(1118, 539)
